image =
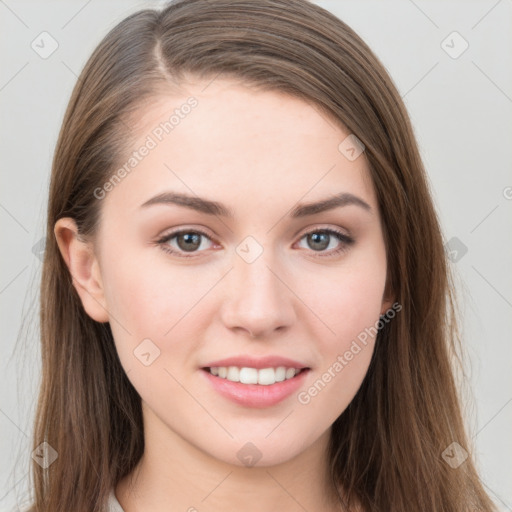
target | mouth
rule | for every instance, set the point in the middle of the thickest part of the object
(260, 376)
(255, 387)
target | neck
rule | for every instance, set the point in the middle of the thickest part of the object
(176, 475)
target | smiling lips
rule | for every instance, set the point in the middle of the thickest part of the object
(255, 382)
(246, 375)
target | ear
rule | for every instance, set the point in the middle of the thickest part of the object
(388, 298)
(84, 268)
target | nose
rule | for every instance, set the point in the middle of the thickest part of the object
(258, 299)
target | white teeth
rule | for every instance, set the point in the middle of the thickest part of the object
(264, 376)
(280, 373)
(290, 372)
(248, 375)
(267, 376)
(233, 374)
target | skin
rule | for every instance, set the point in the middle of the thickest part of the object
(260, 153)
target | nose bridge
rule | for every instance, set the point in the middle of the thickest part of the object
(256, 280)
(258, 299)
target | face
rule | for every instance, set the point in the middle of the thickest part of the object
(259, 277)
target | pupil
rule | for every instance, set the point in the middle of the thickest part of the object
(315, 239)
(187, 237)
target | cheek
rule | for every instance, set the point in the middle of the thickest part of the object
(348, 301)
(151, 300)
(140, 298)
(356, 305)
(352, 313)
(146, 295)
(348, 304)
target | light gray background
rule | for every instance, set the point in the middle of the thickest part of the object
(461, 111)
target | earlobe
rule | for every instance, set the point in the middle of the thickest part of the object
(84, 268)
(386, 305)
(388, 298)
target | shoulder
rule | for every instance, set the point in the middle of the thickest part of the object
(113, 505)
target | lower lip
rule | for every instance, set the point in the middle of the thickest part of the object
(256, 395)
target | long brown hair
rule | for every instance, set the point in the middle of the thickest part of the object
(386, 447)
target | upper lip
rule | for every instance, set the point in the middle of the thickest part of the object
(271, 361)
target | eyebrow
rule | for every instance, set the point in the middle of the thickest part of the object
(215, 208)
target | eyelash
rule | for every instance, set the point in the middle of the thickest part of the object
(345, 240)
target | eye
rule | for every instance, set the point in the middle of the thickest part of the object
(190, 241)
(320, 239)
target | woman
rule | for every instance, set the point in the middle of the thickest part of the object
(246, 297)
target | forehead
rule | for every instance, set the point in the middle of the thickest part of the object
(223, 139)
